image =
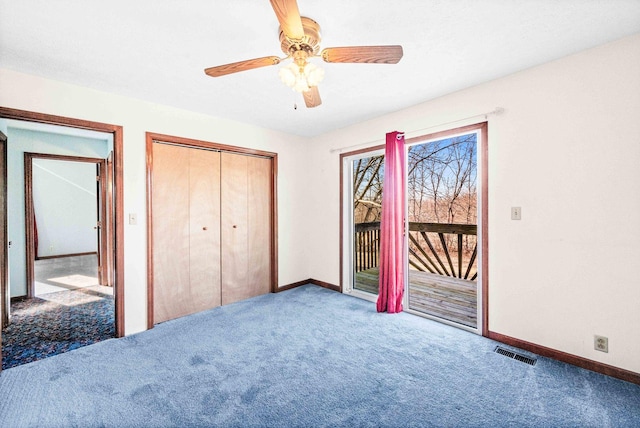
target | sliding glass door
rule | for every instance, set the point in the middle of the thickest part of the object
(363, 184)
(442, 212)
(443, 228)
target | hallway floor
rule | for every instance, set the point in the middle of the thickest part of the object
(66, 273)
(70, 310)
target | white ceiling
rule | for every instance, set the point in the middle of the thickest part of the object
(156, 50)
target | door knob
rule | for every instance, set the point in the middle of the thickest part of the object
(235, 226)
(204, 228)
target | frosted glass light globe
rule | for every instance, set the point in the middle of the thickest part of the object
(288, 75)
(299, 81)
(314, 74)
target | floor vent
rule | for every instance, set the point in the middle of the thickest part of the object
(515, 356)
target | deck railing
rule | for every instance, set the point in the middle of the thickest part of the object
(367, 245)
(441, 248)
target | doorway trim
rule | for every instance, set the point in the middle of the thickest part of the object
(117, 132)
(29, 214)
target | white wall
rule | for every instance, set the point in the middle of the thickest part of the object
(27, 92)
(65, 202)
(567, 150)
(19, 142)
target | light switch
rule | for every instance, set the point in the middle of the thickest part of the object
(133, 218)
(516, 213)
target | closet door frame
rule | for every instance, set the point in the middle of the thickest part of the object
(198, 144)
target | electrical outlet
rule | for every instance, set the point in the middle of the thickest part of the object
(516, 213)
(601, 343)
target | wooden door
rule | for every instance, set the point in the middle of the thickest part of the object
(170, 208)
(4, 256)
(246, 226)
(204, 235)
(185, 224)
(259, 215)
(101, 193)
(109, 219)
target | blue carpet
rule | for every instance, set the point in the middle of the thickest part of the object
(307, 357)
(58, 322)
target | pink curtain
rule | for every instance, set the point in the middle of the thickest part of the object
(391, 288)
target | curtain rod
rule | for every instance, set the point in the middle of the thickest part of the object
(496, 111)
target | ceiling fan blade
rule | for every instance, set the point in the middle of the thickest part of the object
(235, 67)
(312, 97)
(364, 54)
(289, 18)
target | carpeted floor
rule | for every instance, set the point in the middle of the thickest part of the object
(303, 358)
(58, 322)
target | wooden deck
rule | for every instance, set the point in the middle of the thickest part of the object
(452, 299)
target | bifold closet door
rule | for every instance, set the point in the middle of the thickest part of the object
(204, 209)
(246, 226)
(186, 230)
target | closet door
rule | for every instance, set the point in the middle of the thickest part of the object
(246, 226)
(259, 217)
(186, 239)
(170, 208)
(204, 230)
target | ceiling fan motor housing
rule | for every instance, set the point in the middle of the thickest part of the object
(310, 43)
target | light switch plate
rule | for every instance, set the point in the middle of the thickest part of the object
(133, 218)
(516, 213)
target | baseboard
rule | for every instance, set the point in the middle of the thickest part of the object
(15, 299)
(294, 285)
(309, 281)
(575, 360)
(326, 285)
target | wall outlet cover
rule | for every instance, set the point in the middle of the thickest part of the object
(601, 343)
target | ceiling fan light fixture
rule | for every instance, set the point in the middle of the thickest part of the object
(300, 79)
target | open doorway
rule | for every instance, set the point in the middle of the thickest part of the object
(67, 218)
(107, 255)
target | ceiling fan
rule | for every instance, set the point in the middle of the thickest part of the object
(300, 40)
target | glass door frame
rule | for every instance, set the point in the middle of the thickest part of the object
(347, 275)
(481, 131)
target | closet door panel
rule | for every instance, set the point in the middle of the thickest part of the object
(259, 242)
(235, 206)
(170, 205)
(204, 208)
